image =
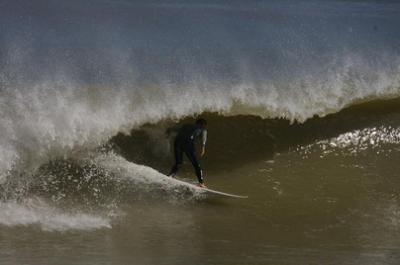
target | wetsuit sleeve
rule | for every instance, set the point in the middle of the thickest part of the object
(204, 138)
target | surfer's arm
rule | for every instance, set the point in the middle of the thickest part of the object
(203, 142)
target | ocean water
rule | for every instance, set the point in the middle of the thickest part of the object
(302, 100)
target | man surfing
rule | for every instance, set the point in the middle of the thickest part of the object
(185, 143)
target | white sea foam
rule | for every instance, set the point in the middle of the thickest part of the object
(36, 212)
(145, 178)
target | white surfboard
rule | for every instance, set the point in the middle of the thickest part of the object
(200, 190)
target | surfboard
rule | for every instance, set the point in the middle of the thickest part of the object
(204, 191)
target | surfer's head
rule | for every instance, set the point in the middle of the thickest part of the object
(201, 122)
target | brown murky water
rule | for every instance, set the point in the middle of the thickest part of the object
(309, 205)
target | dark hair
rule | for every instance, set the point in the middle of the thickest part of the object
(201, 121)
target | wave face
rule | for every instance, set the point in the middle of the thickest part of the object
(73, 75)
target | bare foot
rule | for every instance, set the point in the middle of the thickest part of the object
(202, 185)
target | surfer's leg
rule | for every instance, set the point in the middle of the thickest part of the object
(178, 160)
(191, 154)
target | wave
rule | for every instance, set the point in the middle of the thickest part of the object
(237, 140)
(41, 125)
(79, 84)
(69, 91)
(46, 121)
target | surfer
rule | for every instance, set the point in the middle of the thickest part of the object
(185, 143)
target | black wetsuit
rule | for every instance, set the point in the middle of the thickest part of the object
(185, 143)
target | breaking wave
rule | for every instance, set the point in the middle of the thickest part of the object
(76, 91)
